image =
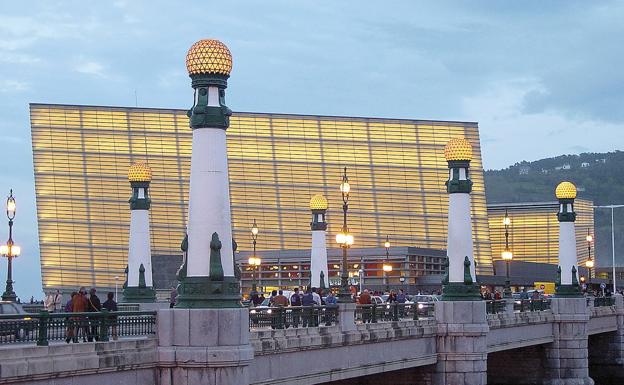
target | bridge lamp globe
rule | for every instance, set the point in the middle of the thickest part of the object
(507, 255)
(589, 263)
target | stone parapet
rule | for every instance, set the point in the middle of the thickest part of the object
(133, 361)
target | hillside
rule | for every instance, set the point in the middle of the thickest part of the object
(598, 176)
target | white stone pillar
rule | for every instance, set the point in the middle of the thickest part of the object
(460, 280)
(318, 252)
(210, 279)
(568, 285)
(139, 286)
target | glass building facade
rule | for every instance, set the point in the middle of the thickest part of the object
(277, 162)
(534, 230)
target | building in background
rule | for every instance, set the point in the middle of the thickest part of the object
(277, 162)
(534, 230)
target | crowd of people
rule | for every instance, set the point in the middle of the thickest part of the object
(84, 327)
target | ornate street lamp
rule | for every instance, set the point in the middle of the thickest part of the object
(590, 262)
(387, 267)
(253, 260)
(345, 240)
(10, 250)
(507, 256)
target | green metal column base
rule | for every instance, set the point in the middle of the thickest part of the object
(568, 291)
(139, 294)
(203, 293)
(459, 291)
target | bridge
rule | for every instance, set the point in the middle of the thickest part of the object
(460, 342)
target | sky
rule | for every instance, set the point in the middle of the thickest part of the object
(541, 78)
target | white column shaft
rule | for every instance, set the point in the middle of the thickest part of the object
(139, 250)
(459, 243)
(318, 258)
(209, 202)
(567, 251)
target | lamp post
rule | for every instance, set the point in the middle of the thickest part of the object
(345, 240)
(590, 262)
(116, 280)
(387, 267)
(10, 250)
(507, 256)
(612, 239)
(253, 260)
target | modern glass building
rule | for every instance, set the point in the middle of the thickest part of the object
(277, 162)
(534, 230)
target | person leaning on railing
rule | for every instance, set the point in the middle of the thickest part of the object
(70, 333)
(111, 306)
(93, 305)
(295, 300)
(365, 301)
(307, 301)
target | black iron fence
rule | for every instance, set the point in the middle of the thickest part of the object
(44, 327)
(393, 312)
(493, 306)
(604, 301)
(292, 316)
(523, 305)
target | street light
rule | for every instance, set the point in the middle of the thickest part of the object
(116, 279)
(387, 267)
(507, 256)
(10, 250)
(590, 262)
(612, 238)
(345, 240)
(253, 260)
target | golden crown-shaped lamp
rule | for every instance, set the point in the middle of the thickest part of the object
(458, 149)
(209, 56)
(139, 172)
(318, 202)
(565, 190)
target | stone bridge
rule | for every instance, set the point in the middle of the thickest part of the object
(571, 343)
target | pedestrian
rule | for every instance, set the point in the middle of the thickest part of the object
(392, 297)
(272, 297)
(307, 301)
(330, 299)
(79, 305)
(365, 300)
(94, 305)
(111, 306)
(295, 300)
(70, 334)
(316, 297)
(279, 319)
(173, 297)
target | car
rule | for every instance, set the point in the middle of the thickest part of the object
(424, 303)
(20, 325)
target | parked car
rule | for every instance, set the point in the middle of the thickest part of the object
(19, 326)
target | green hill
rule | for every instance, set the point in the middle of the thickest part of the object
(598, 176)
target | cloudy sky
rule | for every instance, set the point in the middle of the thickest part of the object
(541, 78)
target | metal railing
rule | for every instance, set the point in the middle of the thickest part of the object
(494, 306)
(393, 312)
(74, 327)
(604, 301)
(292, 316)
(523, 305)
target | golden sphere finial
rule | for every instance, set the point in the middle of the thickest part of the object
(458, 149)
(565, 190)
(139, 172)
(209, 56)
(318, 202)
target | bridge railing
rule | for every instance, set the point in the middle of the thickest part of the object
(523, 305)
(520, 305)
(44, 327)
(283, 317)
(393, 312)
(604, 301)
